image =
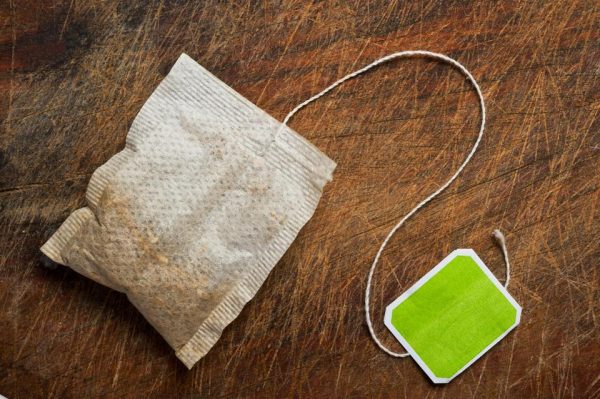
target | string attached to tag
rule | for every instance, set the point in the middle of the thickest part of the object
(497, 234)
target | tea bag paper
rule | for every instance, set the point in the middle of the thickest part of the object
(191, 216)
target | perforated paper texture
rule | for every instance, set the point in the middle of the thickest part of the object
(191, 216)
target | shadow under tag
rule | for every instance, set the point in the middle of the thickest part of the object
(452, 316)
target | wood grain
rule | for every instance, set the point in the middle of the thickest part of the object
(74, 74)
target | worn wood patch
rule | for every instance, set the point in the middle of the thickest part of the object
(73, 75)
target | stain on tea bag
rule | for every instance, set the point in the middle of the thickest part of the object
(191, 216)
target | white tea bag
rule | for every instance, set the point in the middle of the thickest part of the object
(191, 216)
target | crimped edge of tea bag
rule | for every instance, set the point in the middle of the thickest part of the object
(61, 237)
(211, 328)
(60, 240)
(296, 147)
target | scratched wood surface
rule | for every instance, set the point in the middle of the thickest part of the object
(73, 75)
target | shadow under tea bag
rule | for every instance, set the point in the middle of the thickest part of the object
(191, 216)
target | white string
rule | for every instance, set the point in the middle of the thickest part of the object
(502, 242)
(497, 234)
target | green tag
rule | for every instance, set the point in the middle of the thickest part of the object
(452, 315)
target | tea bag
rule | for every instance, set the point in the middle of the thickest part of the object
(191, 216)
(209, 192)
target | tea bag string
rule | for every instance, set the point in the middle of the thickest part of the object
(497, 234)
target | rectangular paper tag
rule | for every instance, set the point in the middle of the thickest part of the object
(452, 315)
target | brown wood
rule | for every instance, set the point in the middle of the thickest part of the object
(73, 75)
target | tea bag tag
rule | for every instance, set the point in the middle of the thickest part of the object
(452, 316)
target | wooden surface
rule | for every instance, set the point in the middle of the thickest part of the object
(73, 75)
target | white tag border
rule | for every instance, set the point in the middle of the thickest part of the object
(388, 312)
